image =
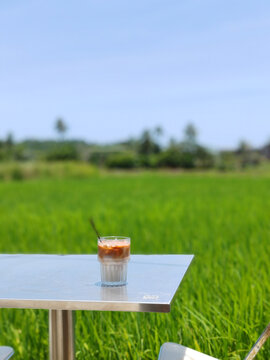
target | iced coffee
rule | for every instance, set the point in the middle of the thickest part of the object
(113, 255)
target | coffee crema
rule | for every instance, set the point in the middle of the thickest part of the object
(113, 250)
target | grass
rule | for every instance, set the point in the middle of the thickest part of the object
(223, 303)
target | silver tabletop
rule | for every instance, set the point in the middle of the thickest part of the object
(62, 283)
(71, 282)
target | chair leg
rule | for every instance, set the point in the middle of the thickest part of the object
(259, 343)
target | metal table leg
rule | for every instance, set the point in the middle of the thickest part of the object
(61, 335)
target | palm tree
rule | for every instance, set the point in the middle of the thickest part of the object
(158, 131)
(61, 127)
(190, 138)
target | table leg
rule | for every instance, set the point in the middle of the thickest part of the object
(61, 335)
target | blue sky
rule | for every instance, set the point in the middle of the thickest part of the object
(114, 68)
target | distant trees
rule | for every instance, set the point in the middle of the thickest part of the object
(187, 154)
(145, 151)
(148, 152)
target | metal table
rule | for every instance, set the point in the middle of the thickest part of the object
(63, 283)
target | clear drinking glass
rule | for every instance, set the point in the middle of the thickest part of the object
(113, 255)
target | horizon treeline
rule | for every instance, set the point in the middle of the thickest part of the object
(145, 151)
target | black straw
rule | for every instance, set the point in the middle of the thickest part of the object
(94, 227)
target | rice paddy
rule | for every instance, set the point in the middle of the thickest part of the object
(223, 303)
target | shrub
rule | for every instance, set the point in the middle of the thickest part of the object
(64, 152)
(33, 170)
(16, 173)
(121, 161)
(170, 158)
(148, 161)
(188, 160)
(175, 157)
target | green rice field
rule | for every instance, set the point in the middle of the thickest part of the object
(224, 300)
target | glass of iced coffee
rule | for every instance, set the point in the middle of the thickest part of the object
(113, 255)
